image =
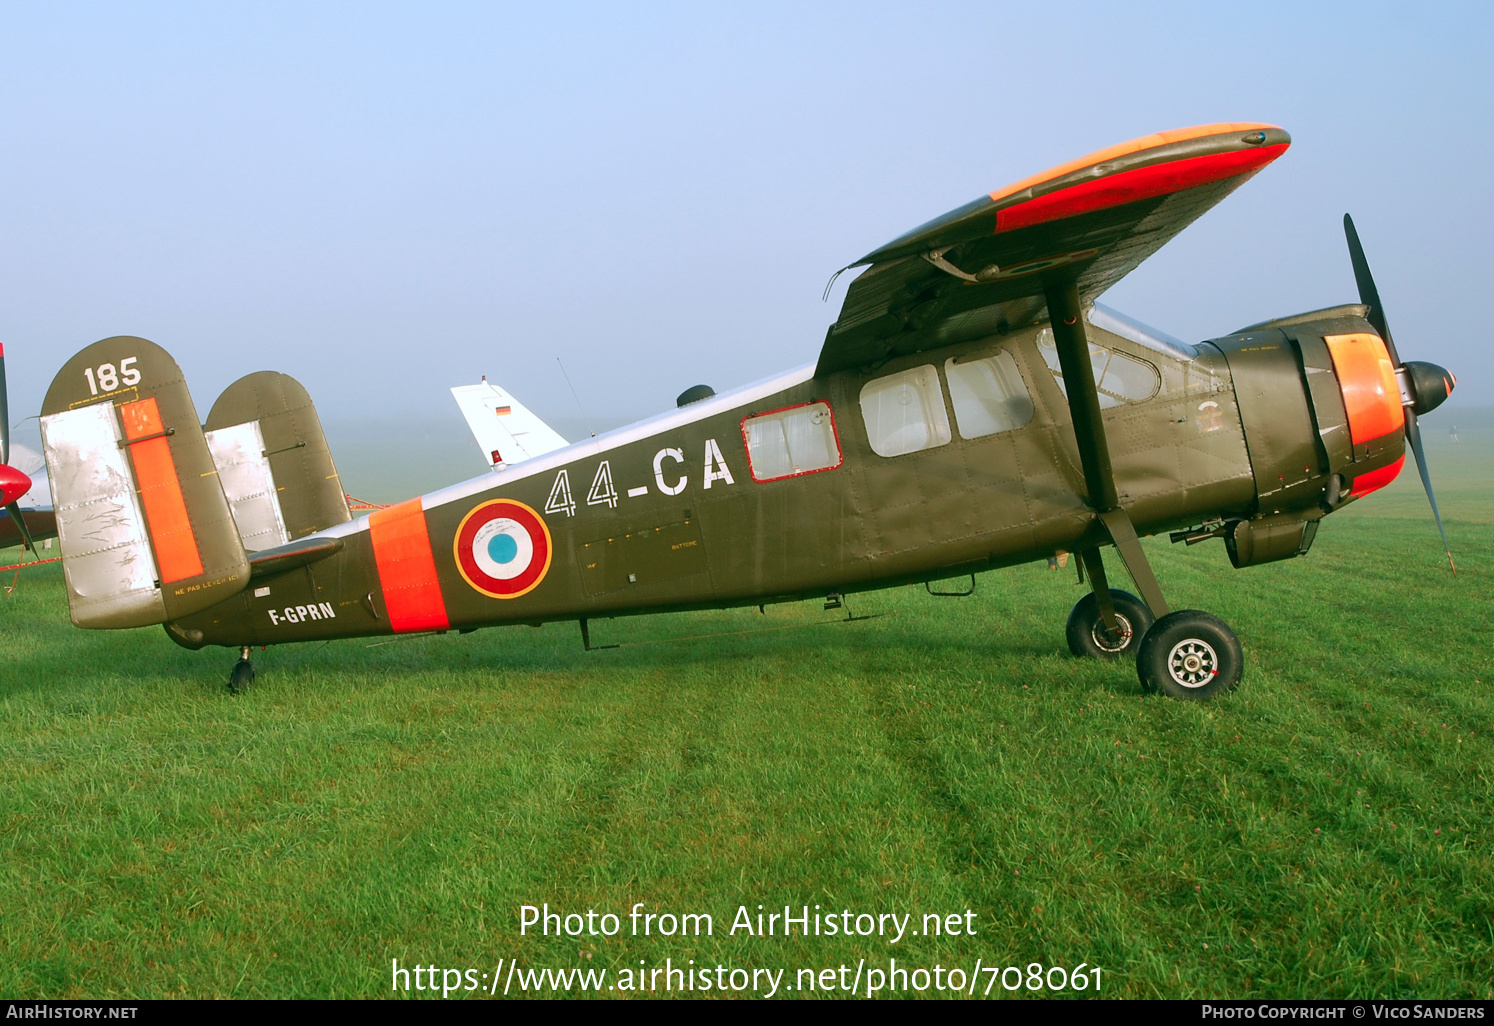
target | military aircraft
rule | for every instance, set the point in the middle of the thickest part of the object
(972, 407)
(26, 526)
(35, 518)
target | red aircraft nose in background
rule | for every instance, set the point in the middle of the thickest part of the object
(13, 484)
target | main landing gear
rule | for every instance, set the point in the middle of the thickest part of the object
(1190, 654)
(242, 674)
(1088, 635)
(1186, 653)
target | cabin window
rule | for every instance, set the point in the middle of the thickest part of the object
(1118, 377)
(787, 443)
(988, 394)
(905, 412)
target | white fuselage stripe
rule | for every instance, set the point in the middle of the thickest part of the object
(658, 424)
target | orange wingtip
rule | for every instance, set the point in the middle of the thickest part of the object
(1125, 149)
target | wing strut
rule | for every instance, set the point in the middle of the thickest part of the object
(1067, 319)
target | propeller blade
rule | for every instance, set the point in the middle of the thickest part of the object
(1413, 435)
(4, 412)
(14, 509)
(1368, 294)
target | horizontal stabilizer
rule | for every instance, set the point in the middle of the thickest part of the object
(41, 524)
(269, 562)
(504, 428)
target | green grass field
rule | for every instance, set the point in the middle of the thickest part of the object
(1324, 831)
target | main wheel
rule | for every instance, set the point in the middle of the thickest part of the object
(1086, 630)
(1190, 654)
(241, 677)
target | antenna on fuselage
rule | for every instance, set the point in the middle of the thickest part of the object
(576, 397)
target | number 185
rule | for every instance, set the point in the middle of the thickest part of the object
(109, 379)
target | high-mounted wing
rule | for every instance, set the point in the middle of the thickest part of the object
(982, 268)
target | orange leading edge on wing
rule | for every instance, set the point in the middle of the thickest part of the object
(1125, 149)
(1114, 189)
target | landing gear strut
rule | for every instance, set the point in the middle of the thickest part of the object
(1187, 654)
(242, 674)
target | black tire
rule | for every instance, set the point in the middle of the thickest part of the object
(241, 677)
(1086, 631)
(1190, 654)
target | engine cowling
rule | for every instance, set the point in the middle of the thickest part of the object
(1321, 404)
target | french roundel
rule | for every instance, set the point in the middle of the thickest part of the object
(503, 548)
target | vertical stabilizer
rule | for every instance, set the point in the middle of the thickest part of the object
(145, 529)
(277, 469)
(504, 428)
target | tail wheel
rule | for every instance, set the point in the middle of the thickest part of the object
(241, 677)
(1190, 654)
(1087, 633)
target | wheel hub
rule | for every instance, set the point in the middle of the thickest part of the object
(1193, 663)
(1116, 642)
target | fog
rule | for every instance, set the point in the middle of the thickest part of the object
(385, 201)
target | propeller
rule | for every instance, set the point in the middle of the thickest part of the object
(13, 483)
(1427, 384)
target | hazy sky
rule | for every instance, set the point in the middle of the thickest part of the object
(386, 200)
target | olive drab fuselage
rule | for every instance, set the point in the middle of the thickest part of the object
(672, 514)
(972, 407)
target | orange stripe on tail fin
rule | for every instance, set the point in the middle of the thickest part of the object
(177, 555)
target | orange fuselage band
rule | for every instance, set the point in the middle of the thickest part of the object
(1372, 399)
(407, 568)
(177, 555)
